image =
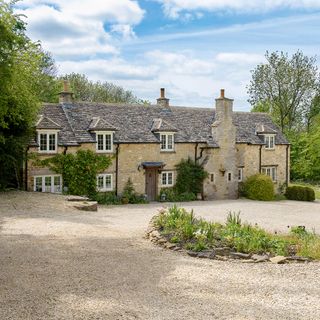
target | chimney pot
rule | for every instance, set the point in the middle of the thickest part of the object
(162, 93)
(222, 93)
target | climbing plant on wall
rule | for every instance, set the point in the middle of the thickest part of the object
(79, 171)
(190, 176)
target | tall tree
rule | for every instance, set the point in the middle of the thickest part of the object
(286, 87)
(24, 68)
(86, 90)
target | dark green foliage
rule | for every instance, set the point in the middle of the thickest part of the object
(24, 71)
(130, 196)
(108, 198)
(300, 193)
(171, 195)
(79, 171)
(259, 187)
(190, 176)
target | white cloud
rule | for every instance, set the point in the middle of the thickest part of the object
(178, 8)
(125, 30)
(77, 28)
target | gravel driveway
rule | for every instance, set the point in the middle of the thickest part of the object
(60, 263)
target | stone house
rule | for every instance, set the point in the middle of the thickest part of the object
(147, 142)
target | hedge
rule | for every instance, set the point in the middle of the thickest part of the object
(300, 193)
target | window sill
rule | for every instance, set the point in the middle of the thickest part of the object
(166, 185)
(47, 152)
(104, 152)
(105, 190)
(269, 149)
(168, 151)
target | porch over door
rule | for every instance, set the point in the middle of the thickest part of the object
(151, 183)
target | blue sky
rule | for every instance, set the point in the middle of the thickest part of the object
(191, 47)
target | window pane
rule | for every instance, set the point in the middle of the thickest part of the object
(57, 184)
(274, 177)
(240, 174)
(38, 186)
(170, 182)
(272, 142)
(43, 141)
(52, 142)
(229, 176)
(100, 182)
(212, 177)
(108, 181)
(100, 141)
(164, 178)
(47, 183)
(163, 141)
(170, 142)
(108, 142)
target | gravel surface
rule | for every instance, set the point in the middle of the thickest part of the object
(60, 263)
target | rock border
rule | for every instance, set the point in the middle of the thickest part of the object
(223, 253)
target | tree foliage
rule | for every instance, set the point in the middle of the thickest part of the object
(86, 90)
(24, 72)
(288, 88)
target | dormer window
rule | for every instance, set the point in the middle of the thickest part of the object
(48, 141)
(166, 141)
(104, 142)
(269, 140)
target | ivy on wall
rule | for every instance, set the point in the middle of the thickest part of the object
(79, 171)
(190, 176)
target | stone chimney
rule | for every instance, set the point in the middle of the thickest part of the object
(66, 96)
(224, 108)
(224, 134)
(163, 101)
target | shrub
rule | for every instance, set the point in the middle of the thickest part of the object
(259, 187)
(107, 198)
(171, 195)
(130, 196)
(300, 193)
(190, 176)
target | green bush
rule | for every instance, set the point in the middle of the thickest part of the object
(259, 187)
(190, 176)
(171, 195)
(300, 193)
(107, 198)
(130, 196)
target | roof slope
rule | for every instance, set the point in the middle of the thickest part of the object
(135, 123)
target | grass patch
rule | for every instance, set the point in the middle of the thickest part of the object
(315, 187)
(193, 233)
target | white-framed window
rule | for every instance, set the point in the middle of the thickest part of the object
(52, 183)
(269, 140)
(229, 176)
(104, 141)
(167, 178)
(212, 177)
(104, 182)
(166, 141)
(48, 141)
(240, 174)
(271, 172)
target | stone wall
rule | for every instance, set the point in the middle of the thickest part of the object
(215, 162)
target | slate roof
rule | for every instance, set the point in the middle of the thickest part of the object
(99, 124)
(134, 123)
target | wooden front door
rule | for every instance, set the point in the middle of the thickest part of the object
(151, 183)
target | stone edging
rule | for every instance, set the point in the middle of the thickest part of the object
(223, 253)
